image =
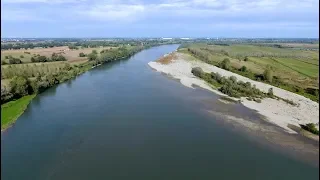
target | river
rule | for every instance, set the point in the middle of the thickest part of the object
(123, 120)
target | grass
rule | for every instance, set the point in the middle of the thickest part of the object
(12, 110)
(293, 64)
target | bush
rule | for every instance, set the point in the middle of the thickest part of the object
(270, 92)
(94, 51)
(6, 57)
(243, 69)
(82, 54)
(257, 100)
(311, 128)
(197, 71)
(92, 56)
(13, 60)
(268, 75)
(233, 79)
(225, 64)
(21, 56)
(246, 58)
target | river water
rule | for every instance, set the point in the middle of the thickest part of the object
(123, 120)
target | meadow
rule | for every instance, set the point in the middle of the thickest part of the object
(293, 69)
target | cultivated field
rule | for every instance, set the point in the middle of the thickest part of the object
(294, 66)
(70, 54)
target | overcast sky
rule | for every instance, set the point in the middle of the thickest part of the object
(160, 18)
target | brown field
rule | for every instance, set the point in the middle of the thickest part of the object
(71, 55)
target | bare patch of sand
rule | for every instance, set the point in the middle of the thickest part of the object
(277, 112)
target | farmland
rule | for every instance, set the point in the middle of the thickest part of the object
(70, 54)
(292, 69)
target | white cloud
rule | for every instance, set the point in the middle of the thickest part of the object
(40, 1)
(112, 11)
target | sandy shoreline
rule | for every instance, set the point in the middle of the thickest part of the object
(276, 111)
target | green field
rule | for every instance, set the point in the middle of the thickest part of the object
(12, 110)
(296, 66)
(296, 69)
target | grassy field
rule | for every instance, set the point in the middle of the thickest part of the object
(71, 55)
(12, 110)
(295, 66)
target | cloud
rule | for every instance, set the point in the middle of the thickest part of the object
(112, 12)
(157, 14)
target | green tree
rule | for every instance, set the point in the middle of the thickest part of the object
(243, 69)
(82, 54)
(225, 64)
(94, 51)
(19, 86)
(92, 56)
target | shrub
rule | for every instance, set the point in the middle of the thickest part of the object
(268, 75)
(257, 100)
(94, 51)
(6, 57)
(13, 60)
(92, 56)
(270, 92)
(225, 64)
(243, 69)
(233, 79)
(197, 71)
(311, 128)
(246, 58)
(21, 56)
(82, 54)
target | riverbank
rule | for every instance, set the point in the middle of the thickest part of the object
(12, 110)
(276, 111)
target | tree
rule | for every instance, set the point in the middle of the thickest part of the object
(246, 58)
(197, 71)
(82, 54)
(21, 56)
(268, 75)
(33, 59)
(94, 51)
(19, 86)
(233, 79)
(42, 59)
(13, 60)
(243, 69)
(225, 64)
(92, 56)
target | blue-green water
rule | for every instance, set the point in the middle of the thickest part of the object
(125, 121)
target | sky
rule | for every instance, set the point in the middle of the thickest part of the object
(160, 18)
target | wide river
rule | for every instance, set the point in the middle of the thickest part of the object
(123, 120)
